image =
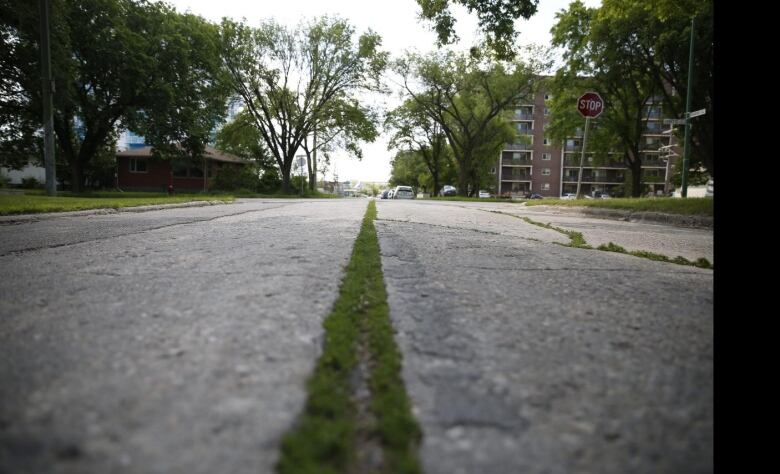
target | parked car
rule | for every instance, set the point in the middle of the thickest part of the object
(569, 196)
(534, 196)
(390, 193)
(483, 193)
(448, 190)
(384, 194)
(403, 192)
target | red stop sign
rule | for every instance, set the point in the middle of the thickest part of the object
(590, 104)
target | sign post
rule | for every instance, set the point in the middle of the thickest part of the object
(589, 105)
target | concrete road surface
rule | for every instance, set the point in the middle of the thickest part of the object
(173, 341)
(523, 356)
(179, 340)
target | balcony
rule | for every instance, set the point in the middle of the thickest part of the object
(518, 146)
(591, 178)
(515, 177)
(572, 147)
(520, 162)
(654, 163)
(522, 116)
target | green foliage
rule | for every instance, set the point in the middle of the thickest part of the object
(690, 206)
(231, 178)
(326, 65)
(115, 63)
(4, 180)
(496, 19)
(467, 96)
(30, 183)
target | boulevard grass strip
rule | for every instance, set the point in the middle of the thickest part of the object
(578, 241)
(25, 204)
(326, 438)
(689, 206)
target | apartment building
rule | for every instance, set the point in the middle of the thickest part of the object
(535, 165)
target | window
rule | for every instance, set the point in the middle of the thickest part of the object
(137, 165)
(516, 156)
(546, 111)
(545, 186)
(548, 96)
(546, 156)
(493, 170)
(545, 171)
(547, 141)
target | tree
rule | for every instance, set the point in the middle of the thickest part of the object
(342, 125)
(417, 133)
(496, 19)
(289, 79)
(189, 95)
(658, 33)
(599, 58)
(408, 169)
(115, 63)
(468, 97)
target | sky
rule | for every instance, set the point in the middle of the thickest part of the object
(396, 21)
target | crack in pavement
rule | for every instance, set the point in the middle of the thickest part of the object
(196, 221)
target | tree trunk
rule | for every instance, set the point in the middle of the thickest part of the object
(77, 175)
(636, 178)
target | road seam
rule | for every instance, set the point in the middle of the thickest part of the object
(357, 417)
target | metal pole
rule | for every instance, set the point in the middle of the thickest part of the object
(686, 145)
(48, 105)
(582, 157)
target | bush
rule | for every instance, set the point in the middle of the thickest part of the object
(4, 180)
(30, 183)
(231, 178)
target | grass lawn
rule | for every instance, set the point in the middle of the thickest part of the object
(462, 198)
(37, 202)
(689, 206)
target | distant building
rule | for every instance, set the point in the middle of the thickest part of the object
(137, 169)
(536, 165)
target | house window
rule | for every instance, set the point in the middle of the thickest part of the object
(545, 186)
(545, 171)
(546, 156)
(138, 165)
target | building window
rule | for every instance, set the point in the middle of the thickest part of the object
(493, 170)
(546, 156)
(516, 156)
(545, 171)
(138, 165)
(545, 186)
(548, 96)
(546, 111)
(547, 141)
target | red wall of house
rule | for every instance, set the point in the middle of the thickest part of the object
(157, 176)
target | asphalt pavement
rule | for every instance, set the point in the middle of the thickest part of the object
(171, 341)
(179, 340)
(523, 356)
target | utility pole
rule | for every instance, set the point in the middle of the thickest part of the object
(582, 156)
(687, 145)
(48, 105)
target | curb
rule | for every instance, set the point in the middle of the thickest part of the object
(20, 218)
(678, 220)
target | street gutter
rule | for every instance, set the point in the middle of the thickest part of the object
(21, 218)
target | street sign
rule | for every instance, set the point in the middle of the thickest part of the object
(697, 113)
(590, 105)
(674, 122)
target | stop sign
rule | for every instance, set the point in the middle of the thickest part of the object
(590, 104)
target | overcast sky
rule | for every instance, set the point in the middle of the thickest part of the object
(395, 20)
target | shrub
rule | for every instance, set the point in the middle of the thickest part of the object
(231, 178)
(30, 183)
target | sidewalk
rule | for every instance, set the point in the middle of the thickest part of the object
(16, 218)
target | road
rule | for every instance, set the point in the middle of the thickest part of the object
(178, 341)
(521, 355)
(171, 341)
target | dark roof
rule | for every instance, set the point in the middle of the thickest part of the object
(211, 152)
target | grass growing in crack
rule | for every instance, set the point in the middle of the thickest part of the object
(577, 240)
(324, 438)
(701, 262)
